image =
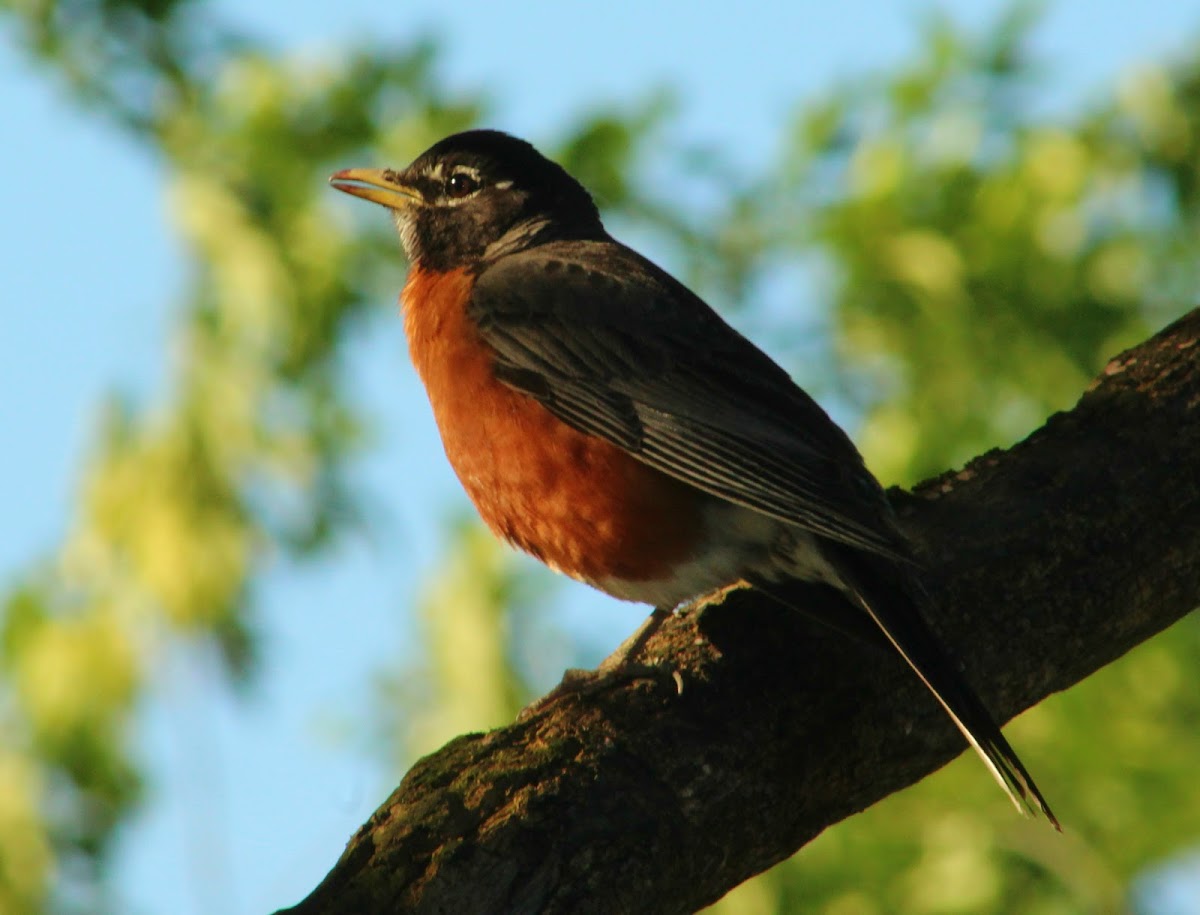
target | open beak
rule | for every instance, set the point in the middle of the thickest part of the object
(378, 185)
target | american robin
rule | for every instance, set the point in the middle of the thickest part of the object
(606, 420)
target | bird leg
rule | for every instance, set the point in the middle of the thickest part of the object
(618, 668)
(628, 650)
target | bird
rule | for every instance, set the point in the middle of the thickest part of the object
(604, 419)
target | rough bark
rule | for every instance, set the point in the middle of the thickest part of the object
(1051, 559)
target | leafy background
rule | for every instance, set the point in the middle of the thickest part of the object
(242, 591)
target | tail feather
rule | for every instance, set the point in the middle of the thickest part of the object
(888, 600)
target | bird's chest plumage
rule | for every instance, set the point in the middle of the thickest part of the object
(577, 502)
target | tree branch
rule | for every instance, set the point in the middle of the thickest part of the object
(1051, 559)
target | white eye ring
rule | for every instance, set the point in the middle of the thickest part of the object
(461, 184)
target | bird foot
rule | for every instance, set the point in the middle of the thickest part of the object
(579, 682)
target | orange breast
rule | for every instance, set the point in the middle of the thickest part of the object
(578, 503)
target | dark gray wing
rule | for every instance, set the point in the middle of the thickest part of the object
(618, 349)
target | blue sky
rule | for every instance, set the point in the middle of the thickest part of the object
(254, 799)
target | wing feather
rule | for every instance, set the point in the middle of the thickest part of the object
(616, 348)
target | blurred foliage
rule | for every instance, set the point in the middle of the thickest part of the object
(985, 263)
(981, 260)
(465, 679)
(184, 502)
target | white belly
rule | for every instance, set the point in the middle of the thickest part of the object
(740, 543)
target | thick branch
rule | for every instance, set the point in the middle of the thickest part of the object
(1051, 560)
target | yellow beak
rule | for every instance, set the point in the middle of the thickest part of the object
(378, 185)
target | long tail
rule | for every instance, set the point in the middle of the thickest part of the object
(887, 598)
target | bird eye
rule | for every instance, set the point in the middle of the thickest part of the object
(461, 184)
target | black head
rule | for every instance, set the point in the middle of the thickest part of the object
(475, 196)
